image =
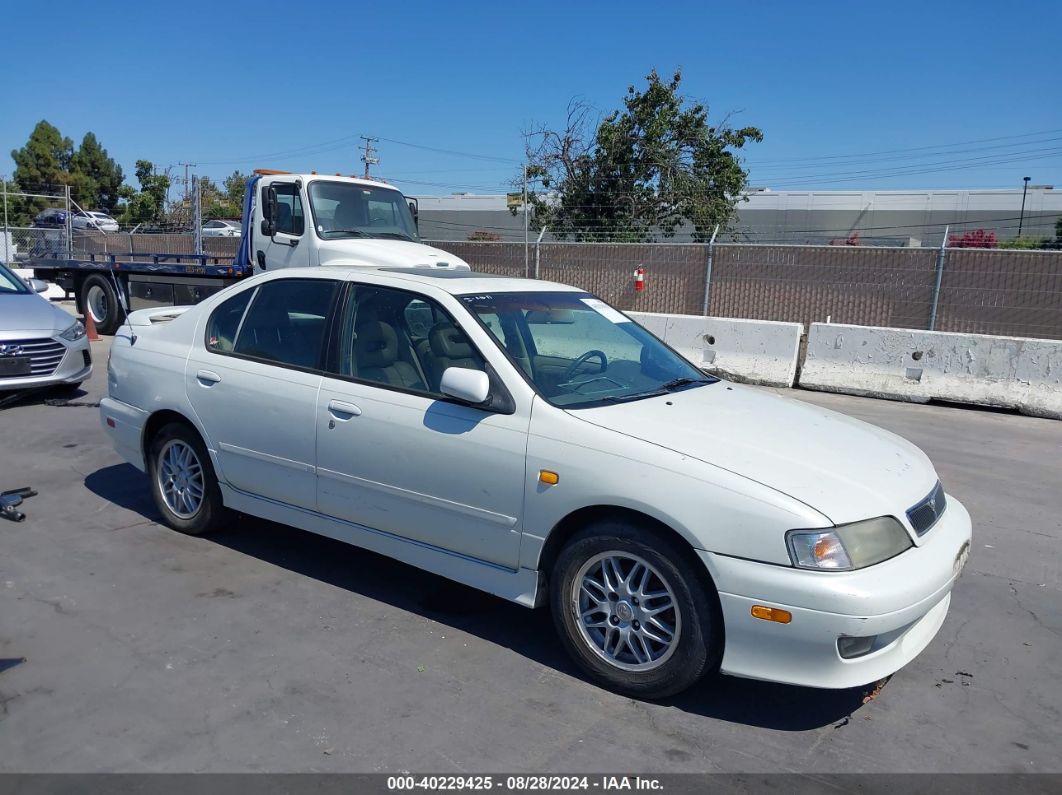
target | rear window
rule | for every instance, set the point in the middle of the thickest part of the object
(286, 322)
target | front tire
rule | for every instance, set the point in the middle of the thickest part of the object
(634, 612)
(183, 482)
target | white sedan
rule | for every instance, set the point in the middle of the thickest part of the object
(529, 440)
(222, 228)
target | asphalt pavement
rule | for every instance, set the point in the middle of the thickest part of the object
(125, 646)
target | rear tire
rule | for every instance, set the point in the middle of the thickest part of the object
(183, 482)
(633, 610)
(99, 299)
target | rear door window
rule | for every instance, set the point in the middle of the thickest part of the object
(286, 322)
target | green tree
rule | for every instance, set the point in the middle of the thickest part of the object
(235, 189)
(98, 173)
(641, 172)
(149, 204)
(43, 164)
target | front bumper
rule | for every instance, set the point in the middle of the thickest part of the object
(902, 601)
(74, 367)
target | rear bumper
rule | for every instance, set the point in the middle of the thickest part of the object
(124, 424)
(902, 603)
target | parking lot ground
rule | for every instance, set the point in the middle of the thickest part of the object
(125, 646)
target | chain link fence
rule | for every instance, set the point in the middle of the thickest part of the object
(983, 291)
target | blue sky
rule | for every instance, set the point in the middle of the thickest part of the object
(850, 95)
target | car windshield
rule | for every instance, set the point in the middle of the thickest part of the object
(10, 284)
(580, 352)
(344, 209)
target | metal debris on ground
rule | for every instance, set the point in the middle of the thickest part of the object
(10, 500)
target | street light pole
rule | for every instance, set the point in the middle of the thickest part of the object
(1021, 217)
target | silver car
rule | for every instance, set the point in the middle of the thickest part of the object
(40, 344)
(95, 221)
(222, 228)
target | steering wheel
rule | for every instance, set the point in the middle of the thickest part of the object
(574, 367)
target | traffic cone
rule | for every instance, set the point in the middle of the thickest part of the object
(90, 328)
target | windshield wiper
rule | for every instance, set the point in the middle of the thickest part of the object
(677, 382)
(355, 232)
(398, 235)
(635, 396)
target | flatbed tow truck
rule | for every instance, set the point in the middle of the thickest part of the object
(289, 221)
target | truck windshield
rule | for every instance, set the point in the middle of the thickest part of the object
(343, 209)
(579, 352)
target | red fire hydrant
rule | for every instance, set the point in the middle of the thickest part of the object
(639, 279)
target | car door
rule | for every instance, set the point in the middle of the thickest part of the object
(286, 249)
(252, 379)
(395, 455)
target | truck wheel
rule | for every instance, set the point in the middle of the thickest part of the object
(633, 612)
(183, 482)
(99, 299)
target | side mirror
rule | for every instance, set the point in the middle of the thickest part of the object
(415, 212)
(269, 211)
(470, 386)
(37, 285)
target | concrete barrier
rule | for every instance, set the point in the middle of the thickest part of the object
(905, 364)
(750, 351)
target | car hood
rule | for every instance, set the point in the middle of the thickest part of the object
(29, 312)
(846, 469)
(387, 253)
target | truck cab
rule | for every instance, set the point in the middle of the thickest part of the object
(305, 220)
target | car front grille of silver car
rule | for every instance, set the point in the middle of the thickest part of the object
(928, 511)
(44, 354)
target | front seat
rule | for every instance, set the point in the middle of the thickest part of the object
(376, 357)
(349, 214)
(449, 348)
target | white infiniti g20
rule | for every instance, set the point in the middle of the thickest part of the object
(529, 440)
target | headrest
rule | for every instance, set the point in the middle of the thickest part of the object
(376, 345)
(348, 215)
(449, 342)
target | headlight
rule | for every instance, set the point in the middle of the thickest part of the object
(848, 546)
(75, 332)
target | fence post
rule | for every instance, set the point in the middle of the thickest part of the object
(940, 277)
(708, 271)
(7, 232)
(538, 251)
(197, 214)
(527, 261)
(69, 225)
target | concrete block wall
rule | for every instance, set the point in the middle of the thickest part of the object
(906, 364)
(750, 351)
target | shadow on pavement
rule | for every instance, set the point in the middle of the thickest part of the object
(529, 633)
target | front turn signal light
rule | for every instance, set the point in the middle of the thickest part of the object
(776, 614)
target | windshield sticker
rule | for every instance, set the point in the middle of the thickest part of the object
(605, 310)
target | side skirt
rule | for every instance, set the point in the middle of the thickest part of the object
(519, 585)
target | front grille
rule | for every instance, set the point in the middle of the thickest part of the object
(44, 355)
(927, 512)
(86, 356)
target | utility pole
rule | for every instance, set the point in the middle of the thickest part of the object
(369, 156)
(1021, 218)
(527, 258)
(187, 184)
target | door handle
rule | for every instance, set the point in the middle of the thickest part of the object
(207, 378)
(342, 410)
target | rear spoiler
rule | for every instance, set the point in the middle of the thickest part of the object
(151, 317)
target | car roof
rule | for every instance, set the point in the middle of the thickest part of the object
(455, 282)
(466, 282)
